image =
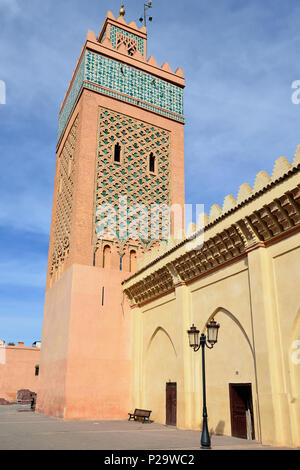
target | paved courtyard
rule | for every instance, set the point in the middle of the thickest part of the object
(25, 430)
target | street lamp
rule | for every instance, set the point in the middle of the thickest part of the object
(212, 338)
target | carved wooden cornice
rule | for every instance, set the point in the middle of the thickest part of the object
(277, 217)
(217, 250)
(263, 226)
(152, 286)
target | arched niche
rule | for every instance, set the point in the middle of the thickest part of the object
(230, 362)
(107, 257)
(132, 261)
(220, 310)
(160, 366)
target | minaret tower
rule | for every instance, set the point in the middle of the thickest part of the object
(120, 134)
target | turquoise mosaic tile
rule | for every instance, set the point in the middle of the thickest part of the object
(125, 83)
(72, 98)
(132, 179)
(133, 82)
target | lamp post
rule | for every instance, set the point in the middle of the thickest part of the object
(212, 338)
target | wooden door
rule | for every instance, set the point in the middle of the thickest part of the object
(241, 411)
(171, 404)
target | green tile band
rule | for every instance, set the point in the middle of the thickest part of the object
(125, 83)
(71, 100)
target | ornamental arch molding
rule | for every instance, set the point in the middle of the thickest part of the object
(236, 321)
(160, 330)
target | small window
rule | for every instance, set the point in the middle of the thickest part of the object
(103, 292)
(152, 163)
(37, 370)
(117, 154)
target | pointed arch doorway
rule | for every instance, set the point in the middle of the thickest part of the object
(237, 402)
(160, 376)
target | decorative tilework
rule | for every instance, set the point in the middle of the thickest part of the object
(64, 202)
(133, 82)
(125, 83)
(72, 98)
(134, 101)
(131, 177)
(113, 38)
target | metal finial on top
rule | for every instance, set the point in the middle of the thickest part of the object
(122, 11)
(146, 16)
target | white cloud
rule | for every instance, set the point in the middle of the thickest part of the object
(24, 272)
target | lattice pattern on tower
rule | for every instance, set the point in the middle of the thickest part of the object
(117, 80)
(64, 200)
(116, 33)
(131, 177)
(130, 43)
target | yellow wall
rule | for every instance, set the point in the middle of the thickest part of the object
(256, 300)
(285, 264)
(242, 268)
(227, 294)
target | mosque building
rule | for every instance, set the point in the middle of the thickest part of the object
(118, 308)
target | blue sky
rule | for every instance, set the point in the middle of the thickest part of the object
(239, 57)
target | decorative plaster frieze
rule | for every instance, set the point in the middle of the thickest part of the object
(262, 226)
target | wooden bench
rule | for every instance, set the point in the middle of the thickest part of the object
(144, 414)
